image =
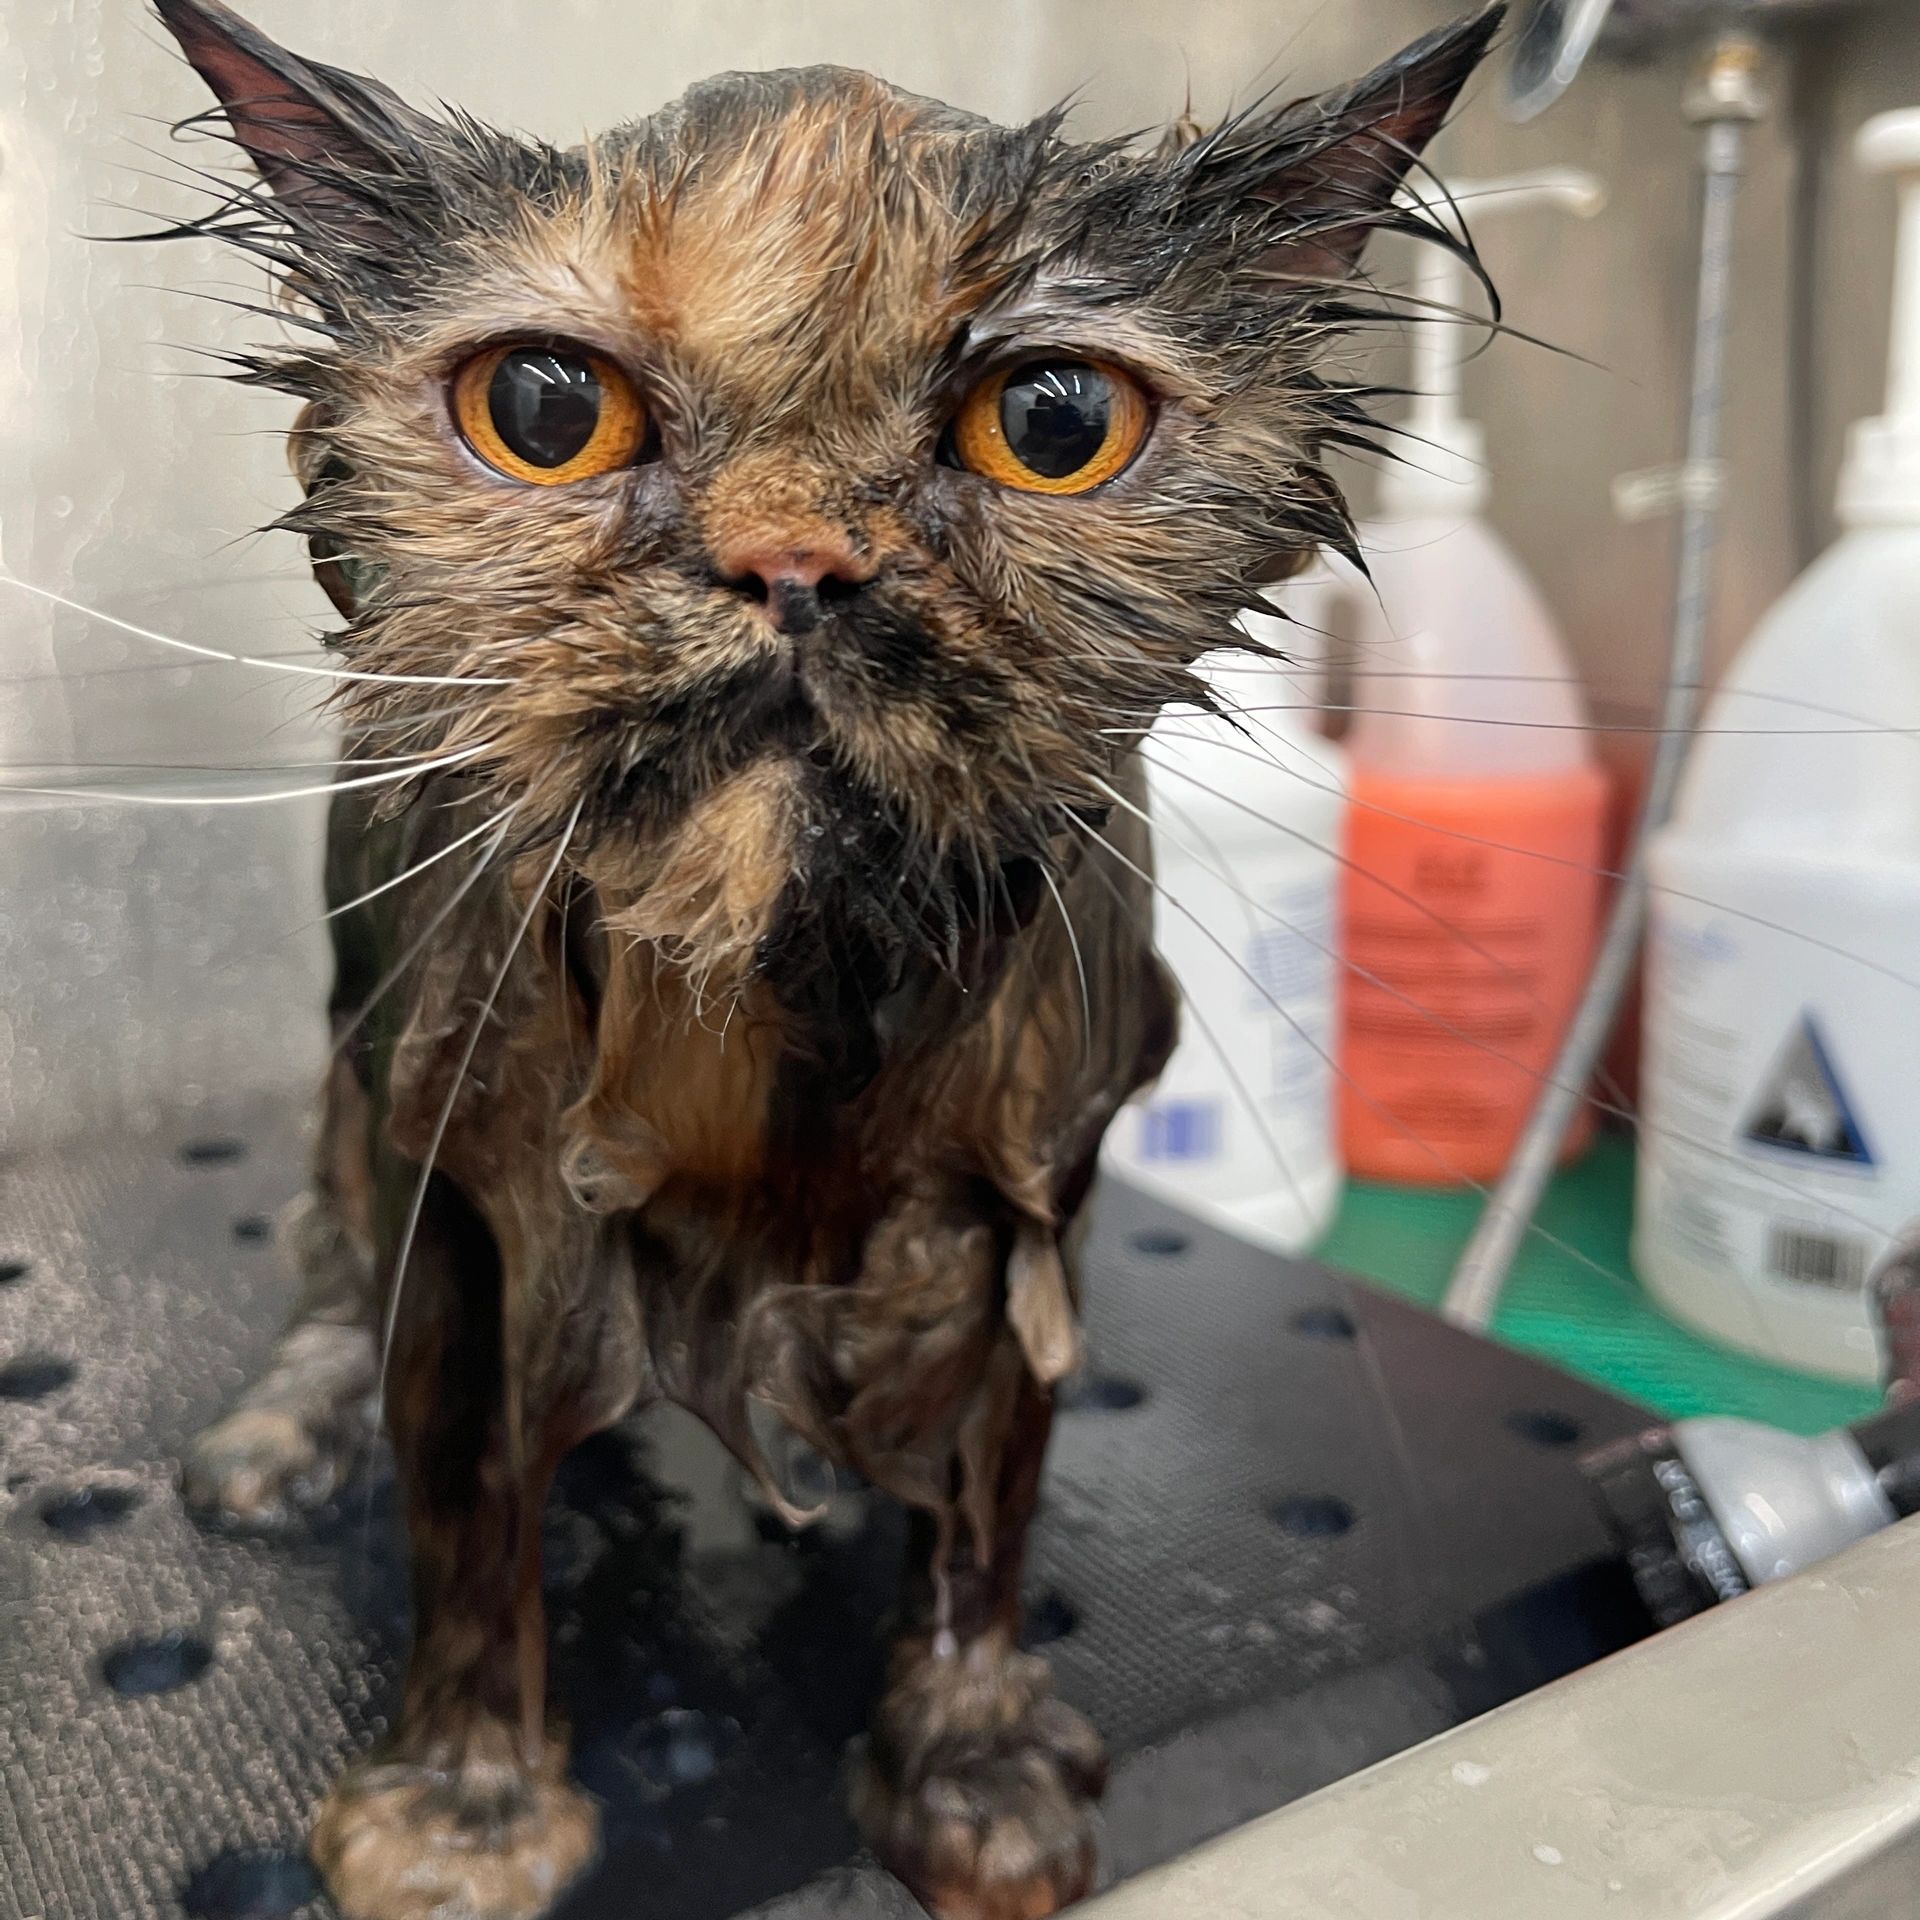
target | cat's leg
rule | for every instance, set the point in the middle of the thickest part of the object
(978, 1784)
(299, 1431)
(466, 1812)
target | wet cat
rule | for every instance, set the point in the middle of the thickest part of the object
(762, 536)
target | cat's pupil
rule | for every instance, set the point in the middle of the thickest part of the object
(1055, 415)
(545, 404)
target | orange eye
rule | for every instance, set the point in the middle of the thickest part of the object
(1052, 426)
(547, 415)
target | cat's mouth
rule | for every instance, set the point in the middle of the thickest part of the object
(778, 711)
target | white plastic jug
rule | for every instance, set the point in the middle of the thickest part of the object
(1247, 831)
(1781, 1071)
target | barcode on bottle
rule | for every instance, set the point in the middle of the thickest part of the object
(1817, 1259)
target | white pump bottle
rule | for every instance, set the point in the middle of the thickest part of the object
(1781, 1060)
(1247, 830)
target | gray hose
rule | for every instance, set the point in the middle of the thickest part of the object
(1727, 103)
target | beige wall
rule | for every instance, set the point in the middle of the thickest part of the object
(129, 479)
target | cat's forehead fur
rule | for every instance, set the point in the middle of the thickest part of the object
(796, 237)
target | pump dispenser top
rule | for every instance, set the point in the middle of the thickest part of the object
(1880, 482)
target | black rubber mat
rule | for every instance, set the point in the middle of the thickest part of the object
(1290, 1527)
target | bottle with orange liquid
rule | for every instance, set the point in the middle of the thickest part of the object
(1471, 900)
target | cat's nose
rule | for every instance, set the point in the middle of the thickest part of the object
(795, 584)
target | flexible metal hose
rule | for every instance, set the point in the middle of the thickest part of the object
(1727, 102)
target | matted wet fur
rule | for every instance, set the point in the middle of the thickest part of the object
(782, 956)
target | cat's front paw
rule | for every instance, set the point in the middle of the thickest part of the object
(409, 1843)
(293, 1441)
(978, 1789)
(257, 1468)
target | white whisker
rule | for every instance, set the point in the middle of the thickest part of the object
(447, 1106)
(265, 661)
(129, 798)
(419, 866)
(1079, 965)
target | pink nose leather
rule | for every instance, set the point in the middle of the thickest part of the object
(789, 567)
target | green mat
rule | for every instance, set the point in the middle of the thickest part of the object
(1601, 1325)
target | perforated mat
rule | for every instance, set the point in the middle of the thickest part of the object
(1290, 1526)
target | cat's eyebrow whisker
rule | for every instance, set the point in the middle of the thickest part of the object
(397, 1282)
(246, 659)
(1539, 1077)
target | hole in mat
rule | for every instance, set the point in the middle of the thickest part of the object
(1161, 1242)
(250, 1886)
(1544, 1428)
(1324, 1323)
(170, 1660)
(1312, 1516)
(85, 1511)
(213, 1150)
(33, 1378)
(1050, 1618)
(11, 1269)
(253, 1227)
(1098, 1393)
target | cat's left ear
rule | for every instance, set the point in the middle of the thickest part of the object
(1326, 169)
(328, 143)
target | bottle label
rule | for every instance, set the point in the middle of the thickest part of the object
(1469, 926)
(1778, 1150)
(1242, 1113)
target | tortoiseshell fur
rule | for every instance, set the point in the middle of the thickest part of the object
(757, 1045)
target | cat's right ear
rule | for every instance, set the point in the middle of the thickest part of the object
(326, 142)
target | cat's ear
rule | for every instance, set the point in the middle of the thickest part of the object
(324, 140)
(1330, 166)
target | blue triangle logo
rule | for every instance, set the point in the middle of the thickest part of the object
(1802, 1107)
